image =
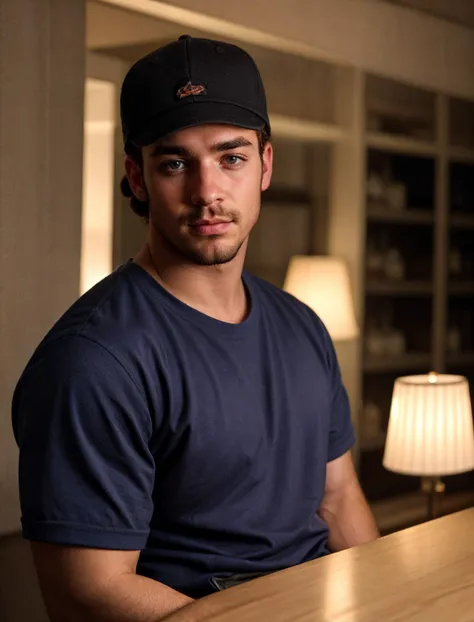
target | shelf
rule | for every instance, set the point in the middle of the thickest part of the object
(462, 289)
(283, 195)
(461, 154)
(405, 362)
(461, 221)
(381, 213)
(459, 359)
(399, 288)
(403, 510)
(401, 144)
(372, 444)
(311, 131)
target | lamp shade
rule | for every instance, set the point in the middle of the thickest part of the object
(323, 284)
(430, 431)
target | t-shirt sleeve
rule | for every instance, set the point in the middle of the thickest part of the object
(341, 432)
(86, 473)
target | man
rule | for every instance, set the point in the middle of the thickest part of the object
(184, 427)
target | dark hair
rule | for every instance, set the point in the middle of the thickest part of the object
(141, 207)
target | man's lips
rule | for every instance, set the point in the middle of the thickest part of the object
(210, 227)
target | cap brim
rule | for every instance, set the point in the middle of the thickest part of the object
(198, 113)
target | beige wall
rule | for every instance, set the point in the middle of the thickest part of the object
(128, 230)
(41, 112)
(98, 182)
(40, 192)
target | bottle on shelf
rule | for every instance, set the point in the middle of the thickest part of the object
(376, 188)
(371, 428)
(374, 260)
(374, 340)
(396, 196)
(394, 266)
(393, 338)
(395, 344)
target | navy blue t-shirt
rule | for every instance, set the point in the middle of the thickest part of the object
(146, 425)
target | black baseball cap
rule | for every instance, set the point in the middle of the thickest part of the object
(191, 82)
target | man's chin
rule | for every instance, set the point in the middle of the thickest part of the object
(215, 260)
(215, 256)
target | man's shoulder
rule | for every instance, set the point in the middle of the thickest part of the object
(276, 299)
(109, 320)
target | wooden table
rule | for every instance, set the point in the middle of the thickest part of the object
(421, 574)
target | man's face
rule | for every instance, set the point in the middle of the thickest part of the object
(204, 186)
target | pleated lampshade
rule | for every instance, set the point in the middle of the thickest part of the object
(430, 431)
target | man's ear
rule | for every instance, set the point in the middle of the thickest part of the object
(135, 179)
(267, 169)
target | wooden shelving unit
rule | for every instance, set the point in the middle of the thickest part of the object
(462, 221)
(460, 359)
(461, 154)
(306, 131)
(406, 510)
(399, 144)
(399, 288)
(375, 443)
(379, 213)
(465, 288)
(424, 154)
(411, 360)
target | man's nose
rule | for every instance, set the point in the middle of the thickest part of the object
(206, 186)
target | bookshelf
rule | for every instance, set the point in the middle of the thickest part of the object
(417, 284)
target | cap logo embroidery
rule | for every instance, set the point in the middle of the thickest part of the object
(190, 89)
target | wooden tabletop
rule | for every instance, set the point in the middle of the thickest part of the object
(421, 574)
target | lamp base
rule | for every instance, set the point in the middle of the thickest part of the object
(434, 488)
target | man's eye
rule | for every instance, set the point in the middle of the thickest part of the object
(233, 160)
(173, 165)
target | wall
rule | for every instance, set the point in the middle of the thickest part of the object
(98, 182)
(128, 230)
(41, 116)
(40, 192)
(374, 36)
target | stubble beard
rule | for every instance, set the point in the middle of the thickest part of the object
(194, 255)
(219, 256)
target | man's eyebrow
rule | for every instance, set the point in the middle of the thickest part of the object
(160, 149)
(178, 150)
(235, 143)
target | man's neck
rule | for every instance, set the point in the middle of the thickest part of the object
(216, 291)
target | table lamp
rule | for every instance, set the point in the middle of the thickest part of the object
(323, 284)
(430, 431)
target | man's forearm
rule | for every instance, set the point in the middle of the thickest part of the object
(145, 600)
(349, 519)
(124, 598)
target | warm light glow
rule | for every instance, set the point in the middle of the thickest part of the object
(98, 181)
(323, 284)
(339, 585)
(430, 429)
